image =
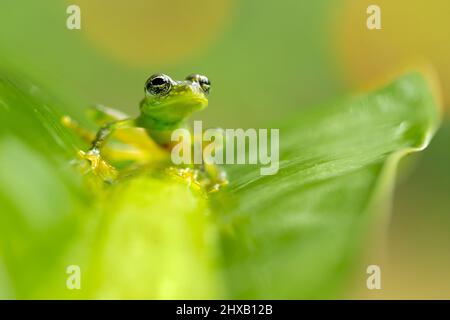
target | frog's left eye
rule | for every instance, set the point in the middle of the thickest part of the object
(158, 84)
(203, 81)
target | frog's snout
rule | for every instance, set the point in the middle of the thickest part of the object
(191, 88)
(192, 91)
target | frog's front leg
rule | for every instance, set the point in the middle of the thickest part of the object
(108, 129)
(137, 138)
(98, 165)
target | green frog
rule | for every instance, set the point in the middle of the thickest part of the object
(166, 106)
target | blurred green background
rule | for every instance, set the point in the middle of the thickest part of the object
(266, 60)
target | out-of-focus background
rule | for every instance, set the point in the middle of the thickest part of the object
(266, 59)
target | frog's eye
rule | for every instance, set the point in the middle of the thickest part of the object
(203, 81)
(158, 84)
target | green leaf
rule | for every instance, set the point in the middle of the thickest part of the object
(291, 235)
(41, 196)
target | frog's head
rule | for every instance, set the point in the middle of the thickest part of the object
(169, 102)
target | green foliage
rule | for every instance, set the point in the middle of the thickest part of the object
(291, 235)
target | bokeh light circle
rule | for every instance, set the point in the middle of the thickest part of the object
(411, 31)
(148, 32)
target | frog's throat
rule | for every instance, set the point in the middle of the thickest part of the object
(150, 123)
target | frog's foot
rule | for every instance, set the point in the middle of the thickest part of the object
(199, 179)
(96, 164)
(188, 175)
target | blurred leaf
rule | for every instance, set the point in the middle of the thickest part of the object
(293, 234)
(290, 235)
(156, 240)
(145, 237)
(40, 195)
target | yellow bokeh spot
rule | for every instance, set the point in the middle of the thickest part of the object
(411, 31)
(148, 32)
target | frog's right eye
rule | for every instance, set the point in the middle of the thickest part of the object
(203, 81)
(158, 84)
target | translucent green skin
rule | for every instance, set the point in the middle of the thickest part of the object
(160, 115)
(165, 107)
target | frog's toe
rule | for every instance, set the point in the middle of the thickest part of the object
(188, 175)
(93, 162)
(92, 156)
(198, 179)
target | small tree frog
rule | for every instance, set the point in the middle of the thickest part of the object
(166, 106)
